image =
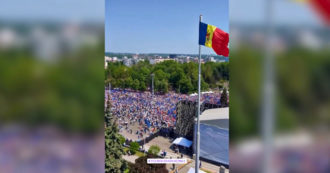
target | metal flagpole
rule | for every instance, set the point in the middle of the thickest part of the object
(268, 93)
(198, 107)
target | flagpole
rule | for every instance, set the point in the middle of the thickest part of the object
(268, 93)
(198, 108)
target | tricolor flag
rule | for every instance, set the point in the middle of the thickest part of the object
(215, 38)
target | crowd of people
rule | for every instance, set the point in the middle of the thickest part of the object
(141, 113)
(49, 149)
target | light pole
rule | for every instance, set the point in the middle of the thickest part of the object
(109, 86)
(152, 83)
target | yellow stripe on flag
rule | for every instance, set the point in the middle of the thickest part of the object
(209, 35)
(300, 1)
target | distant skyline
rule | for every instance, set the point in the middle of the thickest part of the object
(155, 26)
(129, 53)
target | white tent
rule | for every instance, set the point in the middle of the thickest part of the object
(182, 141)
(194, 94)
(192, 170)
(205, 92)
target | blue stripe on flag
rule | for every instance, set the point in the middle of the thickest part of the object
(202, 33)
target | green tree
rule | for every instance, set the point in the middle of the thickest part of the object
(154, 149)
(185, 86)
(169, 75)
(161, 86)
(224, 98)
(133, 147)
(175, 78)
(107, 114)
(136, 84)
(129, 82)
(122, 139)
(142, 86)
(204, 85)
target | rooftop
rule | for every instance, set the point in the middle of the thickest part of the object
(218, 117)
(215, 114)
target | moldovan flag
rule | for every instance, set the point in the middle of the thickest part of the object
(215, 38)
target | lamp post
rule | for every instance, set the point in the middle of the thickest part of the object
(152, 83)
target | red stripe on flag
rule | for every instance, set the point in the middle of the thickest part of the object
(323, 8)
(220, 42)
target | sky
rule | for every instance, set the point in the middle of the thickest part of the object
(160, 26)
(157, 26)
(52, 10)
(285, 12)
(171, 26)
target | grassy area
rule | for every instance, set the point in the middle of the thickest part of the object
(140, 154)
(137, 153)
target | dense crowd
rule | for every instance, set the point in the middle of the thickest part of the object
(303, 159)
(49, 150)
(147, 112)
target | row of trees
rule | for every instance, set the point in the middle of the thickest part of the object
(64, 92)
(168, 75)
(302, 90)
